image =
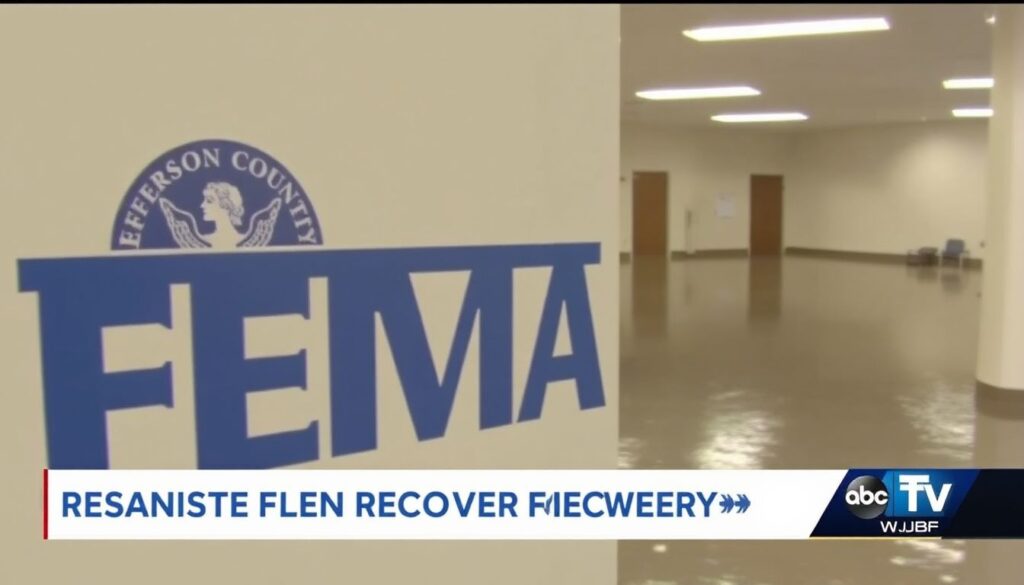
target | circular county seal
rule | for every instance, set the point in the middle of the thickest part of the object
(216, 194)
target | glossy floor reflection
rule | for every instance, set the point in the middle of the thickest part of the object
(809, 363)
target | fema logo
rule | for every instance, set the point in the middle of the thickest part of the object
(216, 194)
(866, 497)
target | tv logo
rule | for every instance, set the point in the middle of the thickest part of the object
(898, 494)
(919, 494)
(867, 497)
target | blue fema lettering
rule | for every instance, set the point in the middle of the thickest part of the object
(78, 297)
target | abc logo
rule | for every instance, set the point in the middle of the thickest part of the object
(867, 497)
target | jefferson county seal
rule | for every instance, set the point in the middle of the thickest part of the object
(216, 194)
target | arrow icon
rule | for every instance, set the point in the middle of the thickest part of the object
(743, 503)
(739, 504)
(727, 504)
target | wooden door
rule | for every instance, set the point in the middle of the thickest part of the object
(650, 213)
(765, 215)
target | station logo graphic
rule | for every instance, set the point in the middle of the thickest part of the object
(908, 503)
(899, 494)
(215, 194)
(867, 497)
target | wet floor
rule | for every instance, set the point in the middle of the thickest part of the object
(809, 363)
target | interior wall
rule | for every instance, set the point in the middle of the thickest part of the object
(408, 127)
(876, 189)
(888, 189)
(702, 164)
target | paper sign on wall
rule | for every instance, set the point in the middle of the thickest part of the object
(725, 205)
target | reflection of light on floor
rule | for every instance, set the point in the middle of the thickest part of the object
(865, 365)
(944, 419)
(737, 435)
(629, 452)
(931, 554)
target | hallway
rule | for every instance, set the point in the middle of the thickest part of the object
(808, 363)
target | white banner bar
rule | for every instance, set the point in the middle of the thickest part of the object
(436, 505)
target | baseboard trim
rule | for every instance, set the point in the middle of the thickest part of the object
(1001, 403)
(627, 257)
(701, 254)
(844, 255)
(879, 257)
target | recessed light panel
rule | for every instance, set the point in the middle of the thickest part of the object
(973, 112)
(696, 93)
(762, 117)
(787, 29)
(969, 83)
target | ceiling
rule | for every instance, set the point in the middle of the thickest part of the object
(837, 80)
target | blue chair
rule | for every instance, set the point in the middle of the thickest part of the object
(955, 250)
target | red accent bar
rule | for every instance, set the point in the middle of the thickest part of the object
(46, 504)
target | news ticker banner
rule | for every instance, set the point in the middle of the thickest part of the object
(532, 504)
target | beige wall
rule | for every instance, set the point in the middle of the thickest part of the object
(1001, 338)
(702, 164)
(407, 126)
(867, 189)
(888, 188)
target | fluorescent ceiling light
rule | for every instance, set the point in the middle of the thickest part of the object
(969, 83)
(695, 93)
(765, 117)
(787, 29)
(973, 112)
(991, 19)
